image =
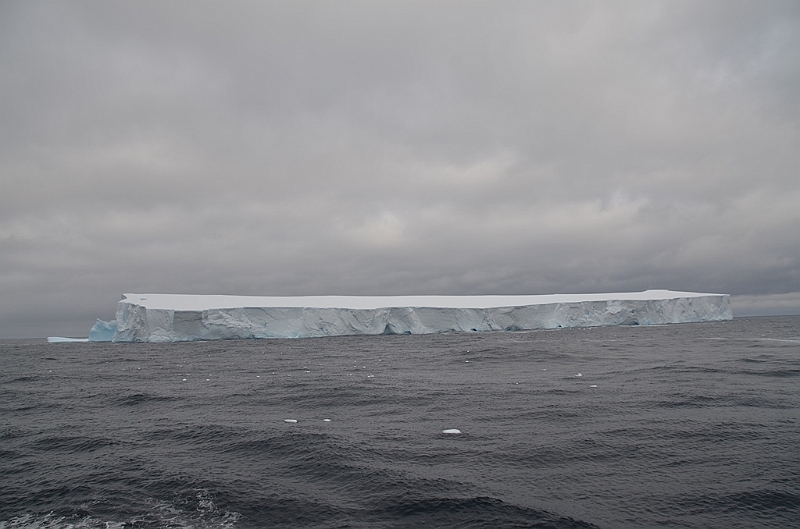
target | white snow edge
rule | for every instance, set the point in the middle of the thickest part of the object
(206, 302)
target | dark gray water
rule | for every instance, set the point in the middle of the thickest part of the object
(694, 425)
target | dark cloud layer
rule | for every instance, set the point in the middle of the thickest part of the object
(289, 148)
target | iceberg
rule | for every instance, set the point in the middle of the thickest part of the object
(103, 331)
(179, 318)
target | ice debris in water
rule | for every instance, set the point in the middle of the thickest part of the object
(451, 430)
(290, 420)
(326, 420)
(578, 375)
(593, 386)
(62, 339)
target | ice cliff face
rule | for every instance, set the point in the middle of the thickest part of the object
(176, 318)
(103, 331)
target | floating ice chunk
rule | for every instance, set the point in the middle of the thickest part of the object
(370, 376)
(326, 420)
(579, 375)
(61, 339)
(451, 431)
(593, 386)
(290, 420)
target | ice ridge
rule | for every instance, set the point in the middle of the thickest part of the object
(177, 318)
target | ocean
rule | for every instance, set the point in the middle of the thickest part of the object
(690, 425)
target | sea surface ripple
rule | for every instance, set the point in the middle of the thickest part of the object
(692, 425)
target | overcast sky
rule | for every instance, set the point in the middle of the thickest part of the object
(387, 148)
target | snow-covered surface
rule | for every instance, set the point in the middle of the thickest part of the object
(205, 302)
(172, 317)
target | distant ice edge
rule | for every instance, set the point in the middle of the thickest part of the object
(137, 323)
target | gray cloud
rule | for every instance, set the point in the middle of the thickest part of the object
(371, 148)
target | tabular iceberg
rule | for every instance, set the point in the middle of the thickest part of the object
(177, 318)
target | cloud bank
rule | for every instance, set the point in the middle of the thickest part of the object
(369, 148)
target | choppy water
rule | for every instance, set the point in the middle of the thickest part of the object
(694, 425)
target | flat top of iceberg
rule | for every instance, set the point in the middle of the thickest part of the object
(204, 302)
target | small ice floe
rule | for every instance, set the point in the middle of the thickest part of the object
(451, 431)
(467, 361)
(593, 386)
(326, 420)
(370, 376)
(578, 375)
(62, 339)
(290, 420)
(208, 379)
(184, 380)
